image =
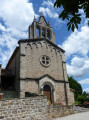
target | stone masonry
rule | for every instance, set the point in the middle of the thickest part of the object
(33, 108)
(38, 65)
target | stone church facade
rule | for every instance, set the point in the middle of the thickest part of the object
(38, 66)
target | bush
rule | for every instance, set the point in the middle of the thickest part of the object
(81, 99)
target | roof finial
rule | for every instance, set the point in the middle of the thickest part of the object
(48, 23)
(34, 18)
(41, 14)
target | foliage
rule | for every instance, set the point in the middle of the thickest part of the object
(76, 86)
(71, 11)
(77, 103)
(81, 98)
(86, 95)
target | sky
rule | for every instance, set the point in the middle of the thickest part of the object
(17, 15)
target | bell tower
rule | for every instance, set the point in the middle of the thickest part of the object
(41, 29)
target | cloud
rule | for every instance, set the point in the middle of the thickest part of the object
(78, 67)
(77, 42)
(85, 81)
(49, 10)
(77, 49)
(86, 89)
(2, 28)
(16, 15)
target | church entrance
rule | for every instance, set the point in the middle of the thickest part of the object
(47, 92)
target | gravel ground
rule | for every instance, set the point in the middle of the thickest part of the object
(77, 116)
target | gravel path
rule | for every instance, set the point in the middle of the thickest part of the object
(77, 116)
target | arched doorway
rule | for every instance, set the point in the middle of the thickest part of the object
(47, 92)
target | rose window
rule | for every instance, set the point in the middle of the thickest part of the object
(45, 60)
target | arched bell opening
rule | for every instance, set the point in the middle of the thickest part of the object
(38, 31)
(48, 34)
(43, 32)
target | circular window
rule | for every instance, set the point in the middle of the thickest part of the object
(45, 60)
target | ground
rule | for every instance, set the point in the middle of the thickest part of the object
(77, 116)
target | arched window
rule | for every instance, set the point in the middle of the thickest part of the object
(43, 33)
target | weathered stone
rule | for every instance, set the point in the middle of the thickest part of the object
(24, 111)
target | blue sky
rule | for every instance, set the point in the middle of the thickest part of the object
(17, 15)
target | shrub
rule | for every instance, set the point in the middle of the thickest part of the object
(81, 99)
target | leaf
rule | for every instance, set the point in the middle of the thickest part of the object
(68, 23)
(69, 27)
(76, 26)
(72, 27)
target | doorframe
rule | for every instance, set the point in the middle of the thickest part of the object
(52, 90)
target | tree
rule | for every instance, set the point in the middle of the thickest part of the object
(81, 99)
(86, 96)
(71, 11)
(76, 86)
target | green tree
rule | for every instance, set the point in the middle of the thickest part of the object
(81, 99)
(71, 11)
(76, 86)
(86, 96)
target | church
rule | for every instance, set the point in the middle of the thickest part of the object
(37, 66)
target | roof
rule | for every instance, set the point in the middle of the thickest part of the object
(42, 21)
(72, 90)
(40, 39)
(11, 58)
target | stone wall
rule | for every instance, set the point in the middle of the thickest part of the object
(32, 86)
(30, 61)
(13, 67)
(72, 96)
(59, 111)
(33, 108)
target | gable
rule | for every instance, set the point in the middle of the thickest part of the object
(42, 21)
(46, 80)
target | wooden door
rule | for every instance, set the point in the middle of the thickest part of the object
(47, 92)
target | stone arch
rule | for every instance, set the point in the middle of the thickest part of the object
(28, 45)
(43, 32)
(28, 49)
(45, 44)
(39, 44)
(48, 83)
(38, 30)
(50, 47)
(34, 45)
(48, 90)
(54, 51)
(48, 34)
(57, 53)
